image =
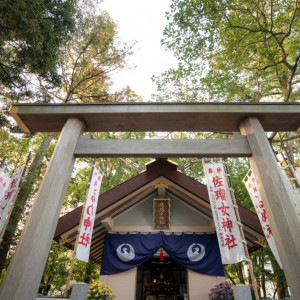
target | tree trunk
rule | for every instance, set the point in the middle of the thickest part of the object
(240, 273)
(25, 191)
(263, 279)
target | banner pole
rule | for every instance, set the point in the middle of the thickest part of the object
(15, 197)
(250, 267)
(77, 235)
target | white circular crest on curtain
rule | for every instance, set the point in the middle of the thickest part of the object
(125, 252)
(196, 252)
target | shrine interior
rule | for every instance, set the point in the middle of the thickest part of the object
(161, 280)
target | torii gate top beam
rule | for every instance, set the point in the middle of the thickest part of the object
(251, 119)
(103, 117)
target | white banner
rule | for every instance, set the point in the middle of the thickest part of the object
(255, 196)
(228, 232)
(87, 224)
(9, 196)
(4, 183)
(293, 192)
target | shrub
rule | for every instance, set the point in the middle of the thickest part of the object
(100, 291)
(222, 291)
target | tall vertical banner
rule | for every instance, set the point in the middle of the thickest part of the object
(4, 183)
(255, 196)
(87, 224)
(9, 196)
(228, 232)
(293, 191)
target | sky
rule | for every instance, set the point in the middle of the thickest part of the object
(142, 21)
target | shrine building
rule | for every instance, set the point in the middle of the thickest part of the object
(159, 201)
(161, 208)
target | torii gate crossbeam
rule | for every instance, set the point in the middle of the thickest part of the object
(252, 120)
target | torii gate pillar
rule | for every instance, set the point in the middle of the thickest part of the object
(277, 200)
(26, 268)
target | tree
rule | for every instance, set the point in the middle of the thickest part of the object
(234, 50)
(26, 190)
(92, 55)
(32, 33)
(89, 57)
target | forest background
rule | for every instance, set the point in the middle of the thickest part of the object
(65, 52)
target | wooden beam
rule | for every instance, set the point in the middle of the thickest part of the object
(108, 223)
(106, 117)
(236, 147)
(26, 268)
(277, 197)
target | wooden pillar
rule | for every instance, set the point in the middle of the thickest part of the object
(277, 196)
(26, 268)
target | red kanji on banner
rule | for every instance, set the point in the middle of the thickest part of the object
(217, 181)
(223, 209)
(93, 198)
(8, 195)
(87, 223)
(263, 216)
(85, 239)
(227, 224)
(220, 194)
(230, 241)
(13, 184)
(90, 210)
(269, 229)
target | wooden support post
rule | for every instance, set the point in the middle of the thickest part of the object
(277, 200)
(26, 268)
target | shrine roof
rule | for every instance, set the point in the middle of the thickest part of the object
(125, 195)
(206, 116)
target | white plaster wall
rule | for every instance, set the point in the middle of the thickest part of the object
(182, 214)
(123, 284)
(199, 285)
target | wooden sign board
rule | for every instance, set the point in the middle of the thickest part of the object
(161, 213)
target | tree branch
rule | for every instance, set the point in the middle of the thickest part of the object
(287, 139)
(291, 23)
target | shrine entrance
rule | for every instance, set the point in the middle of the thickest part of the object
(252, 120)
(161, 280)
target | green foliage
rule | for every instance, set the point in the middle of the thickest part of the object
(100, 291)
(238, 168)
(84, 52)
(57, 268)
(233, 50)
(90, 57)
(32, 33)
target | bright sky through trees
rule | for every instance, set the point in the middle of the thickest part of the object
(142, 21)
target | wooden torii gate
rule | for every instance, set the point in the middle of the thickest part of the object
(252, 120)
